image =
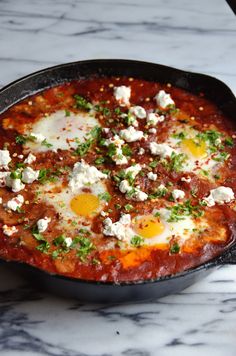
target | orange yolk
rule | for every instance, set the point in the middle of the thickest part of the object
(84, 204)
(149, 226)
(196, 149)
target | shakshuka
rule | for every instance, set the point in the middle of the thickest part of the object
(116, 179)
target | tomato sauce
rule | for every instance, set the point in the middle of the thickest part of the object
(116, 263)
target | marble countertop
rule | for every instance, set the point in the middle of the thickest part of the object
(194, 35)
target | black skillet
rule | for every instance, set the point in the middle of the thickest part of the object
(214, 89)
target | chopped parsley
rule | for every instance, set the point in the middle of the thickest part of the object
(176, 162)
(174, 248)
(137, 241)
(67, 113)
(44, 244)
(104, 196)
(21, 139)
(153, 164)
(128, 207)
(85, 247)
(126, 150)
(46, 144)
(99, 160)
(229, 142)
(180, 211)
(82, 103)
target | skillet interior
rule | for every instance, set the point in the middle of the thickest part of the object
(215, 90)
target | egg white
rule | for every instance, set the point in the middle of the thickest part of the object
(60, 198)
(193, 164)
(61, 131)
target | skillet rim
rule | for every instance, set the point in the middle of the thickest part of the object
(227, 256)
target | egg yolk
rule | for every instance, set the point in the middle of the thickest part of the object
(196, 149)
(84, 204)
(149, 226)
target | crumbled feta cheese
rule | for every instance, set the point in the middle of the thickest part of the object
(118, 157)
(178, 194)
(4, 158)
(152, 130)
(0, 200)
(15, 184)
(30, 159)
(153, 118)
(106, 130)
(42, 224)
(3, 176)
(131, 135)
(103, 213)
(138, 195)
(161, 149)
(138, 111)
(141, 151)
(163, 99)
(20, 156)
(186, 179)
(68, 241)
(115, 140)
(83, 174)
(15, 203)
(29, 175)
(152, 176)
(38, 138)
(9, 230)
(120, 229)
(218, 141)
(133, 170)
(124, 186)
(219, 195)
(122, 95)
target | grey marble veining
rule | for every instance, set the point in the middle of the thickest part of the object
(193, 35)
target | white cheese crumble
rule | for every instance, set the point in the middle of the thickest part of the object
(9, 230)
(163, 99)
(30, 159)
(120, 229)
(83, 175)
(186, 179)
(29, 175)
(4, 158)
(42, 224)
(152, 176)
(118, 157)
(178, 194)
(122, 95)
(15, 184)
(137, 194)
(138, 111)
(219, 195)
(131, 135)
(133, 170)
(141, 151)
(68, 241)
(154, 118)
(38, 138)
(0, 200)
(15, 203)
(161, 149)
(3, 176)
(152, 130)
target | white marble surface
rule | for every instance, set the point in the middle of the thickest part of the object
(195, 35)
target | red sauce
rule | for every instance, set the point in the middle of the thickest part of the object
(116, 264)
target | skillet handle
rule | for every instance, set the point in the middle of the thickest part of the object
(229, 257)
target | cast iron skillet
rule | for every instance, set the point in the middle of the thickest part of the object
(214, 89)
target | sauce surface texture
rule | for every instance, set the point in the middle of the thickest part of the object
(116, 179)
